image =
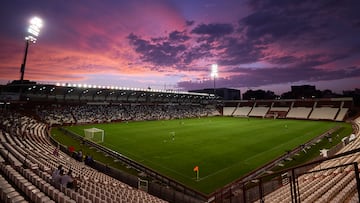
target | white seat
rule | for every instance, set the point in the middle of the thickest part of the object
(17, 199)
(44, 199)
(33, 194)
(39, 196)
(64, 199)
(10, 197)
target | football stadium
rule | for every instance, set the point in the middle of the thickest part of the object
(141, 145)
(140, 101)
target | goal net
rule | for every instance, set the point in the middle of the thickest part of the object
(94, 134)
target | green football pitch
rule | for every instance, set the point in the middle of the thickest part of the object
(224, 148)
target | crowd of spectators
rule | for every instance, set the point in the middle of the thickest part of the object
(110, 113)
(55, 115)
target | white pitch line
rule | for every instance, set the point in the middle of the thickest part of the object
(169, 169)
(245, 161)
(219, 171)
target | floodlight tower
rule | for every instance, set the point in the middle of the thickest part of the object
(214, 74)
(33, 32)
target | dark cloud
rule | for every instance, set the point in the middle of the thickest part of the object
(301, 39)
(256, 77)
(273, 26)
(177, 36)
(159, 54)
(283, 60)
(310, 60)
(263, 4)
(212, 33)
(158, 39)
(303, 22)
(215, 30)
(320, 59)
(171, 50)
(197, 52)
(240, 52)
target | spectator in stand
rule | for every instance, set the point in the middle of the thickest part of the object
(71, 149)
(80, 156)
(56, 151)
(56, 172)
(67, 180)
(88, 160)
(57, 178)
(109, 113)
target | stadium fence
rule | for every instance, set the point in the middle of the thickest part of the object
(256, 190)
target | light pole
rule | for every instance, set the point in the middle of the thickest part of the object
(214, 74)
(33, 33)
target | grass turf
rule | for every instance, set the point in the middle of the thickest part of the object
(224, 148)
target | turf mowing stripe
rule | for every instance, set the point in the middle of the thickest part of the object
(225, 148)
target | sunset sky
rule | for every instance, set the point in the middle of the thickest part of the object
(257, 44)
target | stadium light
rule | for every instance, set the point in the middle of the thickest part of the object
(214, 74)
(33, 33)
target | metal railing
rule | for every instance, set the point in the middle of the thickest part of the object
(290, 184)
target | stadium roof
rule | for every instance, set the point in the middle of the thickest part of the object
(95, 94)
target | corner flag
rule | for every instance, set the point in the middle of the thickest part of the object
(196, 169)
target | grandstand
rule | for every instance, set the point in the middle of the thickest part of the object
(228, 111)
(335, 109)
(327, 113)
(27, 160)
(299, 112)
(243, 109)
(341, 115)
(258, 111)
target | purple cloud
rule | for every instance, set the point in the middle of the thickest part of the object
(177, 36)
(240, 52)
(215, 30)
(261, 42)
(256, 77)
(162, 53)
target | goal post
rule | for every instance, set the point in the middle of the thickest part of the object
(94, 134)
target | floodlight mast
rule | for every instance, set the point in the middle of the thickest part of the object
(33, 33)
(214, 74)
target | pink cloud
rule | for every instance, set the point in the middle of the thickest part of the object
(80, 42)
